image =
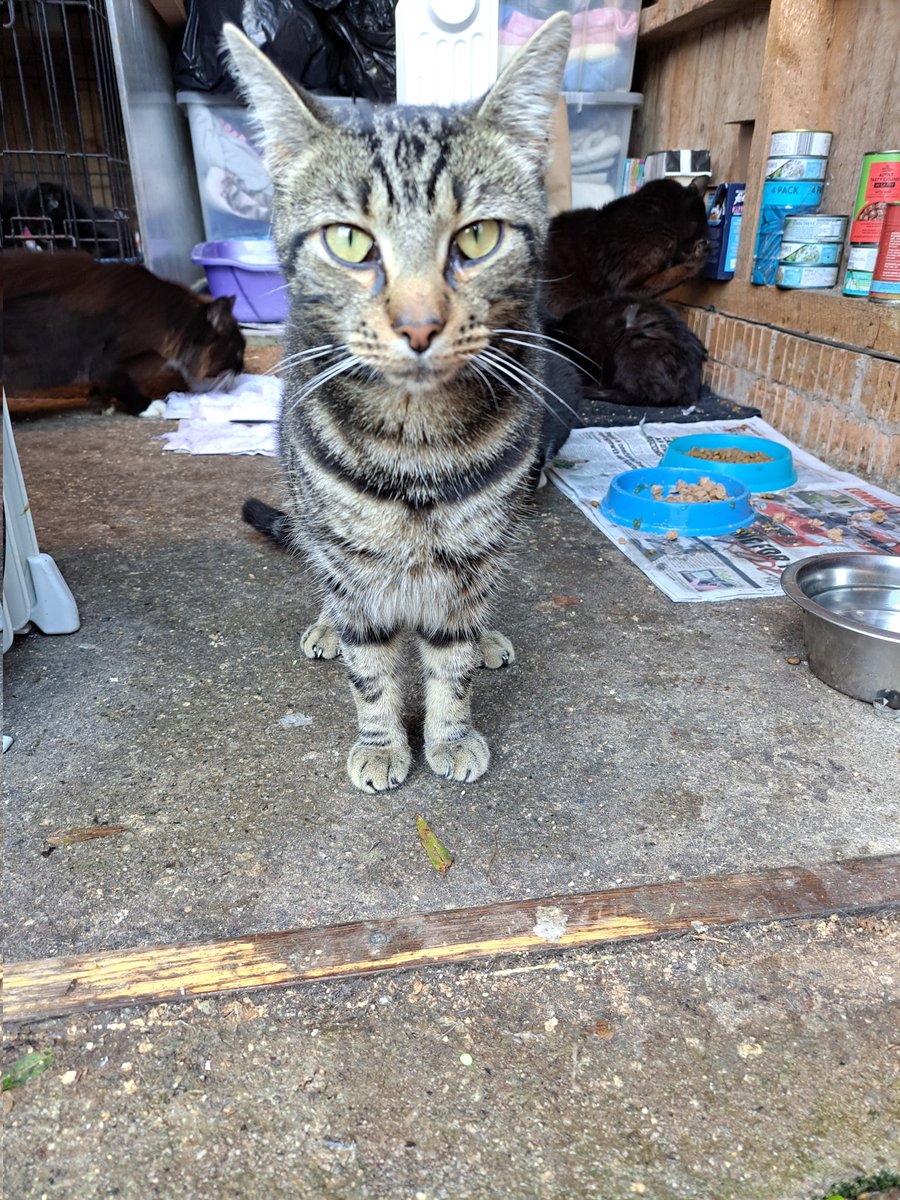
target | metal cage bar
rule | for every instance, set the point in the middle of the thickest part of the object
(67, 181)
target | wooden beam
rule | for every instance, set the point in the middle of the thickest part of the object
(668, 18)
(53, 987)
(820, 314)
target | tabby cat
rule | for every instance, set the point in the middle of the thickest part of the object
(410, 239)
(128, 334)
(648, 242)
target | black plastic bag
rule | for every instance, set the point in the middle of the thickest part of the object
(341, 46)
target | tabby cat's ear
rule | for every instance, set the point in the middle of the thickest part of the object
(287, 117)
(522, 100)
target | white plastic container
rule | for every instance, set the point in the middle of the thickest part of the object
(446, 50)
(604, 39)
(235, 188)
(599, 129)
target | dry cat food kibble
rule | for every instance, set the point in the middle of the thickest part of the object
(703, 492)
(729, 454)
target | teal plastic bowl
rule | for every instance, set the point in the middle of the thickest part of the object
(759, 477)
(629, 501)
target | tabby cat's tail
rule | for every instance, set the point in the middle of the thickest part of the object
(267, 520)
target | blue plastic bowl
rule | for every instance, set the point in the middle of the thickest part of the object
(759, 477)
(630, 502)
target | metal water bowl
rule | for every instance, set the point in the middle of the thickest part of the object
(851, 621)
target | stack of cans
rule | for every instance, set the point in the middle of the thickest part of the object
(810, 251)
(794, 182)
(879, 186)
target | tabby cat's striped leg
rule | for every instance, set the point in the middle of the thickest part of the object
(452, 747)
(380, 758)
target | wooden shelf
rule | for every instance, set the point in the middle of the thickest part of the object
(668, 18)
(828, 315)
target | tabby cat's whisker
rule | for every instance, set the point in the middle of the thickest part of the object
(485, 379)
(548, 350)
(304, 356)
(545, 337)
(523, 376)
(338, 368)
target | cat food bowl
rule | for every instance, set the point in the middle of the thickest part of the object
(721, 452)
(248, 270)
(851, 620)
(630, 501)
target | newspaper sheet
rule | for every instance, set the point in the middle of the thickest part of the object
(825, 510)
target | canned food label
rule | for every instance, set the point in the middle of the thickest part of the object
(857, 283)
(792, 192)
(823, 254)
(879, 184)
(806, 277)
(862, 258)
(800, 141)
(817, 227)
(796, 168)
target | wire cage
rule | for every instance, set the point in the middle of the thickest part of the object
(66, 178)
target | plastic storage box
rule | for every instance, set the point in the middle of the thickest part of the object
(599, 129)
(248, 270)
(604, 39)
(235, 188)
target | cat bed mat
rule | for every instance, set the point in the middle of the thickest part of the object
(824, 510)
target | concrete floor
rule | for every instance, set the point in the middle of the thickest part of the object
(634, 740)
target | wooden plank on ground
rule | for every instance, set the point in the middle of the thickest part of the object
(53, 987)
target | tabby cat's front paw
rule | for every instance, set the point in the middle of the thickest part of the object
(463, 759)
(320, 641)
(496, 650)
(378, 768)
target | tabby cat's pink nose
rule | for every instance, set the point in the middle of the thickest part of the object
(419, 334)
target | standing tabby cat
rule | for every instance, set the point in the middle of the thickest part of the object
(410, 239)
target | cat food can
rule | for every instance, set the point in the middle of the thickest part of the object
(860, 265)
(816, 142)
(879, 185)
(815, 227)
(811, 254)
(806, 277)
(796, 168)
(885, 287)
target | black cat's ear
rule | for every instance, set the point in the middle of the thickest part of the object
(699, 184)
(522, 100)
(219, 313)
(287, 117)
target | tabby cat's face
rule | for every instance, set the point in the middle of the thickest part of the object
(409, 235)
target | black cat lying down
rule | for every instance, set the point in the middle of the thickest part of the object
(637, 349)
(648, 242)
(130, 335)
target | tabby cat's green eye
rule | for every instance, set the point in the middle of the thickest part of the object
(346, 242)
(478, 239)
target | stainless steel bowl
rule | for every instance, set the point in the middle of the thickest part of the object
(851, 620)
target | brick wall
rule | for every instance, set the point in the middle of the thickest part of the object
(841, 404)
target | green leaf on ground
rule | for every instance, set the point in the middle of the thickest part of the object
(441, 858)
(29, 1066)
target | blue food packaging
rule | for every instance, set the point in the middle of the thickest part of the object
(780, 199)
(725, 209)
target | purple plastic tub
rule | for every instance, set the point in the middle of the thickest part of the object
(249, 271)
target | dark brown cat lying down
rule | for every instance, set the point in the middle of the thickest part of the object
(648, 242)
(130, 335)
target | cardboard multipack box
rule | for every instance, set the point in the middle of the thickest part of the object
(724, 209)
